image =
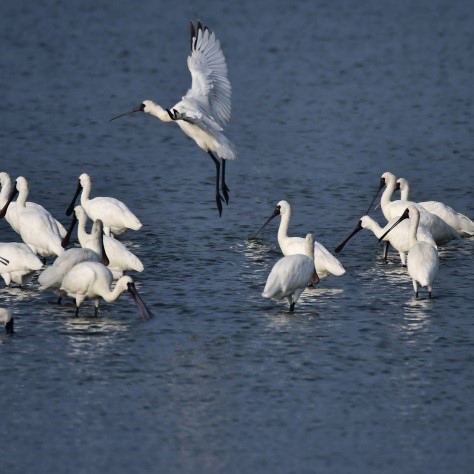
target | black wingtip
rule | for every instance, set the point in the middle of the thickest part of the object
(199, 27)
(193, 33)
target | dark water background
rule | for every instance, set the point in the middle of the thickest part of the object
(326, 97)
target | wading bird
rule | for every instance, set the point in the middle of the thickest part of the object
(291, 275)
(422, 259)
(115, 215)
(456, 220)
(325, 263)
(205, 109)
(12, 216)
(18, 263)
(38, 228)
(6, 318)
(92, 280)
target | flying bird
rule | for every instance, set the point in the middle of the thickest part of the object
(205, 109)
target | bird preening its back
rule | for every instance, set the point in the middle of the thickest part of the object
(205, 109)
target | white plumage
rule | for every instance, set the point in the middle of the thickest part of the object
(458, 221)
(12, 215)
(115, 215)
(325, 263)
(21, 263)
(291, 275)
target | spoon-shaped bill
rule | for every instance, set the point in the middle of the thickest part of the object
(138, 108)
(381, 185)
(73, 202)
(144, 311)
(105, 260)
(4, 261)
(276, 212)
(10, 199)
(67, 237)
(404, 216)
(354, 232)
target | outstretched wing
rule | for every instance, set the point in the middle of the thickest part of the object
(210, 86)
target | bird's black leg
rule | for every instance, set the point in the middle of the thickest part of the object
(44, 260)
(218, 196)
(77, 311)
(385, 250)
(60, 299)
(225, 189)
(292, 307)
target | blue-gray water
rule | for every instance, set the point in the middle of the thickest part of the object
(326, 97)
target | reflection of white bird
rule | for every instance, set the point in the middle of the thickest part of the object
(458, 221)
(38, 228)
(291, 275)
(422, 260)
(398, 237)
(92, 280)
(7, 319)
(17, 263)
(325, 263)
(205, 108)
(115, 215)
(440, 231)
(11, 215)
(120, 258)
(52, 277)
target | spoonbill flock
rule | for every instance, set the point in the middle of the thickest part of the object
(415, 230)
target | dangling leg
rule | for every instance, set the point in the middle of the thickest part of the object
(386, 244)
(218, 196)
(96, 312)
(225, 189)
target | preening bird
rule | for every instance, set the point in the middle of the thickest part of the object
(205, 109)
(115, 215)
(398, 237)
(18, 263)
(92, 280)
(291, 275)
(456, 220)
(12, 216)
(422, 259)
(325, 263)
(7, 319)
(38, 229)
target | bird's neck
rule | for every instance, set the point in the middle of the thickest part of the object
(6, 190)
(283, 229)
(373, 226)
(158, 111)
(412, 240)
(85, 193)
(82, 234)
(405, 192)
(386, 197)
(120, 287)
(21, 200)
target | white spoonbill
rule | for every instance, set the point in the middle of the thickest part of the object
(291, 275)
(422, 260)
(92, 280)
(7, 319)
(325, 263)
(38, 228)
(205, 109)
(12, 216)
(52, 277)
(17, 263)
(120, 258)
(115, 215)
(440, 231)
(458, 221)
(398, 237)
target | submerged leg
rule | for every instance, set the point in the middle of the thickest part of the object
(415, 287)
(225, 189)
(96, 312)
(60, 299)
(292, 307)
(386, 244)
(219, 198)
(77, 311)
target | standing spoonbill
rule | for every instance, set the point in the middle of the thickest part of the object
(92, 280)
(18, 263)
(120, 258)
(115, 215)
(205, 109)
(440, 231)
(38, 228)
(398, 237)
(7, 319)
(11, 215)
(458, 221)
(325, 263)
(52, 277)
(291, 275)
(422, 260)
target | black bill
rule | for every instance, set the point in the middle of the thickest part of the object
(70, 209)
(404, 216)
(276, 212)
(144, 311)
(344, 242)
(138, 108)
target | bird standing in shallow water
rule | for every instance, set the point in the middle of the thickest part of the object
(205, 109)
(6, 318)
